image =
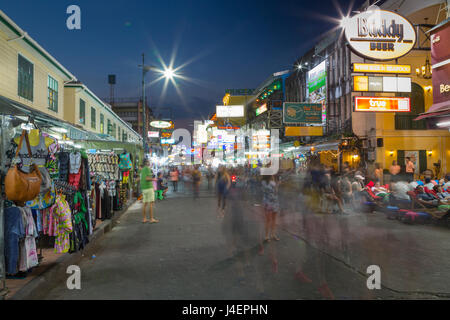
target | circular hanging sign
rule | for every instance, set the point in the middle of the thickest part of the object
(380, 34)
(160, 124)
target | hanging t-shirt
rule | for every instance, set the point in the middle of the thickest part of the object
(125, 162)
(75, 162)
(39, 154)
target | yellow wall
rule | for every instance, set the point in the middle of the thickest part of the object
(437, 143)
(9, 52)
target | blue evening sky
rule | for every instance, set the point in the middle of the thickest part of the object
(229, 44)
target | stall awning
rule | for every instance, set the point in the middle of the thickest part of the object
(436, 110)
(13, 108)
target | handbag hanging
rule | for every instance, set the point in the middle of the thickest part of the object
(21, 186)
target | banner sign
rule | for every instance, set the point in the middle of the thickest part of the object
(381, 84)
(381, 68)
(382, 104)
(295, 112)
(380, 34)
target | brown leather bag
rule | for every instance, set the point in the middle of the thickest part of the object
(21, 186)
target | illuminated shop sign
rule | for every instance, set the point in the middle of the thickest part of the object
(382, 104)
(167, 141)
(380, 34)
(161, 124)
(294, 112)
(381, 84)
(236, 111)
(153, 134)
(261, 109)
(381, 68)
(240, 92)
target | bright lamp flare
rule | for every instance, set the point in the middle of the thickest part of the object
(344, 22)
(169, 73)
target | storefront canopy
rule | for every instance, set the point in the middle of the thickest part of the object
(43, 120)
(436, 110)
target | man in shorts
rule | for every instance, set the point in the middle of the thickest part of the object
(148, 193)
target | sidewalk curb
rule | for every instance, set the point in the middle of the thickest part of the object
(57, 272)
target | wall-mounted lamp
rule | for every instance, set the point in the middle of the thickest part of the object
(430, 153)
(424, 71)
(391, 153)
(428, 88)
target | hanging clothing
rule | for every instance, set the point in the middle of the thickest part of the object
(14, 231)
(37, 215)
(63, 166)
(28, 253)
(64, 217)
(75, 162)
(39, 154)
(49, 222)
(125, 161)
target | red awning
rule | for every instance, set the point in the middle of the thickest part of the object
(438, 109)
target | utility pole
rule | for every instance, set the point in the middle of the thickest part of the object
(144, 137)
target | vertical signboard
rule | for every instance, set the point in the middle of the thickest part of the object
(440, 61)
(317, 88)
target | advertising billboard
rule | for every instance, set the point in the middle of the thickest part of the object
(382, 104)
(317, 88)
(294, 112)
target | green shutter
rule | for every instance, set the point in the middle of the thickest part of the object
(422, 160)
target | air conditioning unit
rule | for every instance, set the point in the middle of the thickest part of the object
(365, 144)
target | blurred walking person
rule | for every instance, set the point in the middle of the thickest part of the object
(223, 183)
(174, 178)
(196, 179)
(271, 206)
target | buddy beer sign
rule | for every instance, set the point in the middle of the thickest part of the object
(380, 34)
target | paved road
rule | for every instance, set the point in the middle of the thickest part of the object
(193, 254)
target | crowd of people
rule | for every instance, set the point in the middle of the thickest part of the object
(354, 189)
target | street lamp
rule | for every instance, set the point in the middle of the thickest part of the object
(168, 73)
(145, 69)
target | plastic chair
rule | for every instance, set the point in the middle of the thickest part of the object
(159, 194)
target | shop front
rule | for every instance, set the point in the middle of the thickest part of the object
(392, 91)
(81, 182)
